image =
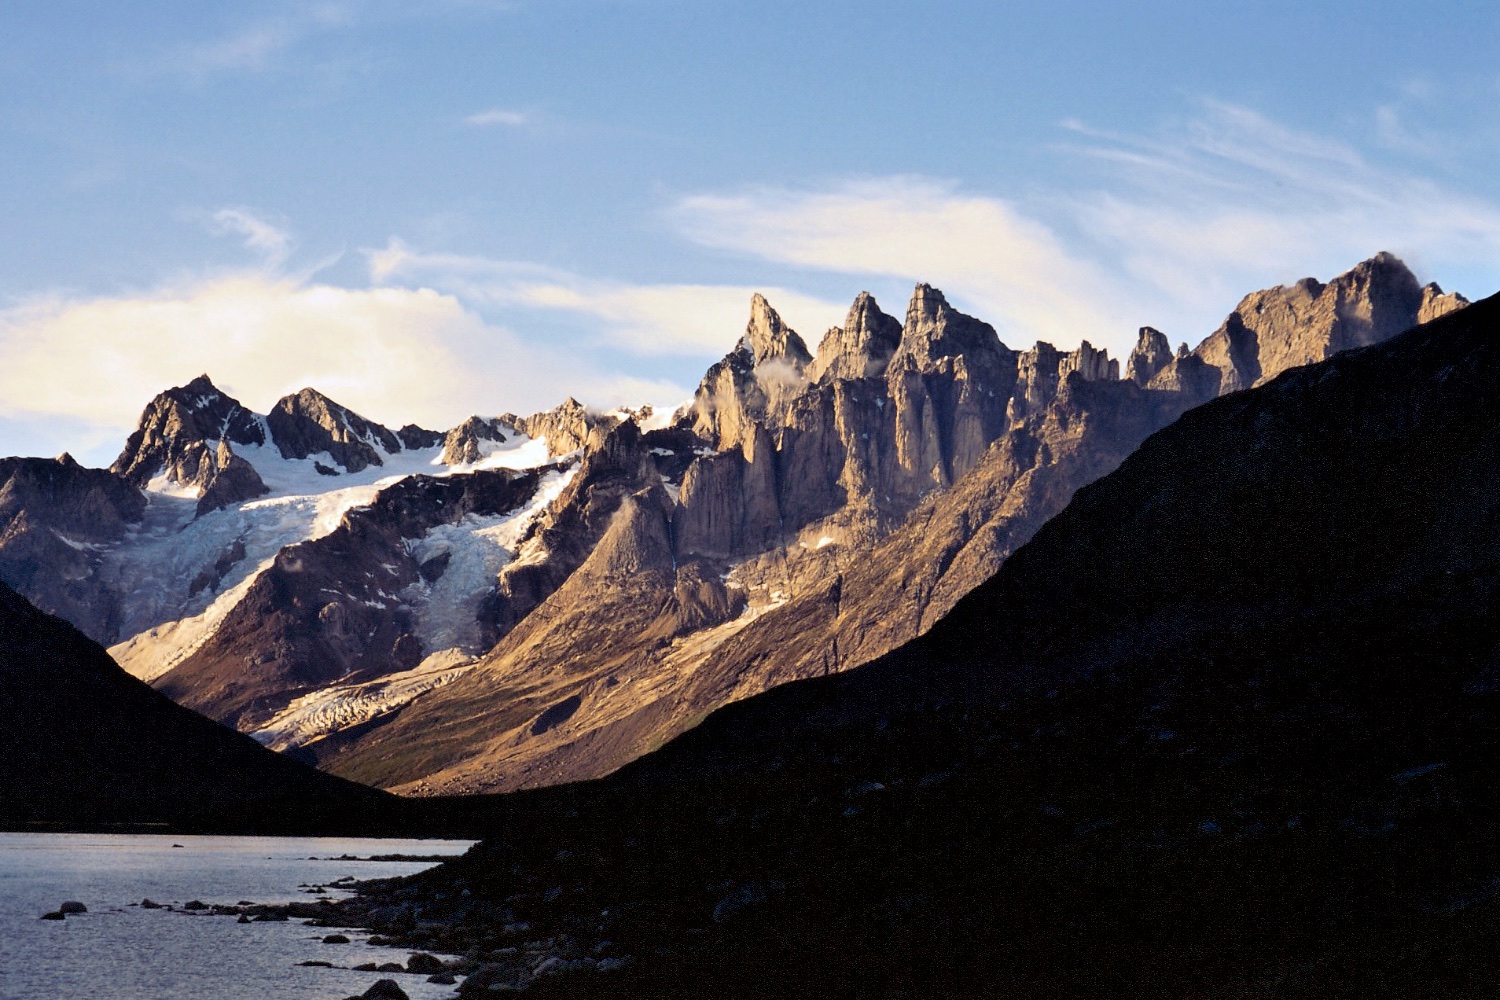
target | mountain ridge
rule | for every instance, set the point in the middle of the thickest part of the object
(804, 513)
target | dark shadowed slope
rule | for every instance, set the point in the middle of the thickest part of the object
(84, 745)
(1225, 727)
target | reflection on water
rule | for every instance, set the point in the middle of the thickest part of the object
(122, 951)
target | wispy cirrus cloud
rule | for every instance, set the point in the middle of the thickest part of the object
(1173, 229)
(1234, 197)
(272, 242)
(498, 116)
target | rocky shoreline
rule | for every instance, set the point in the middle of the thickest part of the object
(479, 948)
(485, 943)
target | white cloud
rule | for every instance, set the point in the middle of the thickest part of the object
(397, 355)
(654, 319)
(273, 243)
(498, 116)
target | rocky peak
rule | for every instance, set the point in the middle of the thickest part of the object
(414, 438)
(234, 481)
(1293, 325)
(1435, 303)
(1094, 364)
(175, 431)
(1042, 371)
(464, 443)
(755, 383)
(861, 348)
(768, 339)
(935, 331)
(308, 423)
(1152, 353)
(566, 426)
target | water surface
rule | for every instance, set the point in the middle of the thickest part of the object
(122, 951)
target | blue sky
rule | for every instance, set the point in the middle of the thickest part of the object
(434, 208)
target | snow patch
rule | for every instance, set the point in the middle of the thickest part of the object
(478, 547)
(170, 487)
(517, 451)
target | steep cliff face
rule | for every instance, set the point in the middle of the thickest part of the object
(308, 423)
(617, 462)
(566, 427)
(185, 437)
(861, 348)
(473, 439)
(754, 384)
(1152, 353)
(887, 414)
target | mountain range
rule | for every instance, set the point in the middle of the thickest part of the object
(1139, 698)
(1224, 727)
(526, 601)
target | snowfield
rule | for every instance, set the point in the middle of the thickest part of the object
(185, 574)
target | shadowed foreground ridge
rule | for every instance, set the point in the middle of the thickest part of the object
(1225, 727)
(85, 745)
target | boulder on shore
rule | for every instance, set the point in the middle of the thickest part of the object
(385, 989)
(424, 965)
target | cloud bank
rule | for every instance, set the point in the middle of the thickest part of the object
(396, 355)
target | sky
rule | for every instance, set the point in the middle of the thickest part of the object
(432, 208)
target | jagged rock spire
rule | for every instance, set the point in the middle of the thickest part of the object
(769, 339)
(1152, 353)
(862, 347)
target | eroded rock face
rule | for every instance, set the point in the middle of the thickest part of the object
(1152, 353)
(861, 348)
(185, 435)
(178, 432)
(464, 443)
(56, 517)
(754, 384)
(308, 423)
(1281, 328)
(617, 463)
(234, 480)
(566, 427)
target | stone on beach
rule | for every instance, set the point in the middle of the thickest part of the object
(385, 989)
